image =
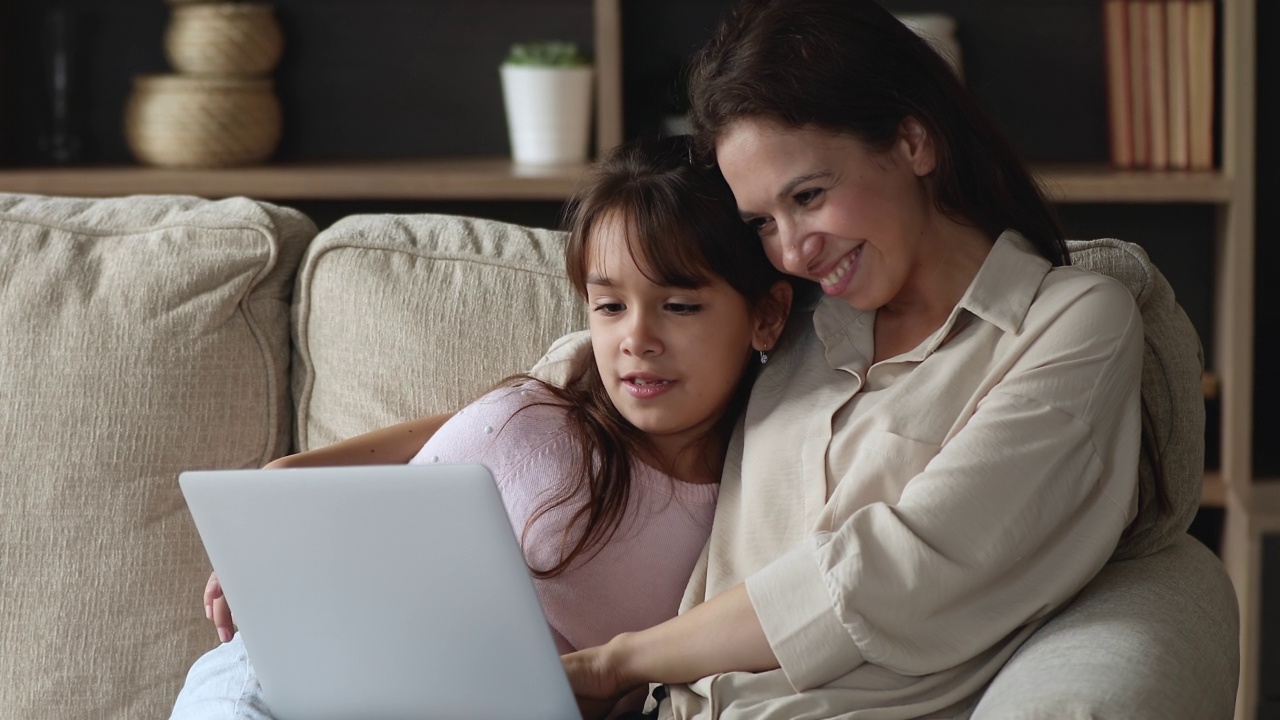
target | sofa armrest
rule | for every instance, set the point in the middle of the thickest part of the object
(1155, 637)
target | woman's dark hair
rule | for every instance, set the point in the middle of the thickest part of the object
(849, 66)
(683, 230)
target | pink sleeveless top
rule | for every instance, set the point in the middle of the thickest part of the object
(638, 578)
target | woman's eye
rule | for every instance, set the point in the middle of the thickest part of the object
(805, 197)
(683, 308)
(759, 225)
(608, 308)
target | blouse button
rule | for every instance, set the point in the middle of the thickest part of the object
(488, 429)
(435, 458)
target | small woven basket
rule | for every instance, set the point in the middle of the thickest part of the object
(201, 122)
(223, 39)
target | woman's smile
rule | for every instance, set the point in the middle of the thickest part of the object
(835, 282)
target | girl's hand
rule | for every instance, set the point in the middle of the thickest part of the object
(216, 608)
(596, 679)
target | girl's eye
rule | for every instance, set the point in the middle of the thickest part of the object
(805, 197)
(683, 308)
(608, 308)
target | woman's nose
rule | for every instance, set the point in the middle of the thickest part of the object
(799, 248)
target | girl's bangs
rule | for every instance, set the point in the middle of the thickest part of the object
(666, 251)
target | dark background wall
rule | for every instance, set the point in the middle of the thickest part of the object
(1266, 385)
(365, 79)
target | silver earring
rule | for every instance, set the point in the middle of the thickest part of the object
(764, 357)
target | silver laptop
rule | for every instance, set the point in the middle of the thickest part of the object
(387, 592)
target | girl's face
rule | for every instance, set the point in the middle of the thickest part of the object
(830, 210)
(670, 357)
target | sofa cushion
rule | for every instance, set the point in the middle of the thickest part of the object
(1172, 364)
(400, 316)
(1151, 638)
(142, 336)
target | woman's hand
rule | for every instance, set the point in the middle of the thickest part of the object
(596, 679)
(720, 635)
(216, 608)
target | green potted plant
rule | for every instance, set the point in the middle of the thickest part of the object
(546, 91)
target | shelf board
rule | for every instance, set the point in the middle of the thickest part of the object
(1213, 493)
(499, 179)
(442, 179)
(1101, 184)
(1210, 385)
(1264, 501)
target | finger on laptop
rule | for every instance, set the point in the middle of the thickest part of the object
(212, 591)
(221, 613)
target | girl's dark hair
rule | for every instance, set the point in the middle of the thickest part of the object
(849, 66)
(683, 230)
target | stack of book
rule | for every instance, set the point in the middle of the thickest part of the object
(1160, 78)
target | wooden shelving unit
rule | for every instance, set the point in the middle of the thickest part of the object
(448, 179)
(498, 179)
(1097, 184)
(1251, 508)
(1245, 520)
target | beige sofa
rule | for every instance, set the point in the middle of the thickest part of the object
(143, 336)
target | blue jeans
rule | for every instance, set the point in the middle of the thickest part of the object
(222, 685)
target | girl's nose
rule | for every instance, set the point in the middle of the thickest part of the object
(641, 339)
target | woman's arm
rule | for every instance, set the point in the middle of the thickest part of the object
(720, 635)
(394, 445)
(1008, 521)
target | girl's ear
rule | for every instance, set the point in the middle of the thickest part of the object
(771, 316)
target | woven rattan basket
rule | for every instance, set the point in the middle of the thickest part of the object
(228, 39)
(186, 121)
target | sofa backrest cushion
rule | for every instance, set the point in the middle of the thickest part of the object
(400, 316)
(1172, 393)
(142, 336)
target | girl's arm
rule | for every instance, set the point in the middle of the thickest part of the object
(394, 445)
(721, 635)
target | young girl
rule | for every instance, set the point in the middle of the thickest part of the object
(610, 481)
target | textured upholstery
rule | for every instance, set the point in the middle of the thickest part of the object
(1154, 638)
(141, 337)
(400, 316)
(1172, 364)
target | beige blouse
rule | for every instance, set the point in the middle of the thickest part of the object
(902, 527)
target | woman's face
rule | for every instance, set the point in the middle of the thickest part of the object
(829, 209)
(670, 357)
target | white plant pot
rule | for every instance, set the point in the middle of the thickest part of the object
(548, 113)
(939, 31)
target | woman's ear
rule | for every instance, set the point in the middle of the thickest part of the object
(771, 313)
(918, 145)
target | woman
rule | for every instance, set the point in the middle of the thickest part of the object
(609, 480)
(949, 453)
